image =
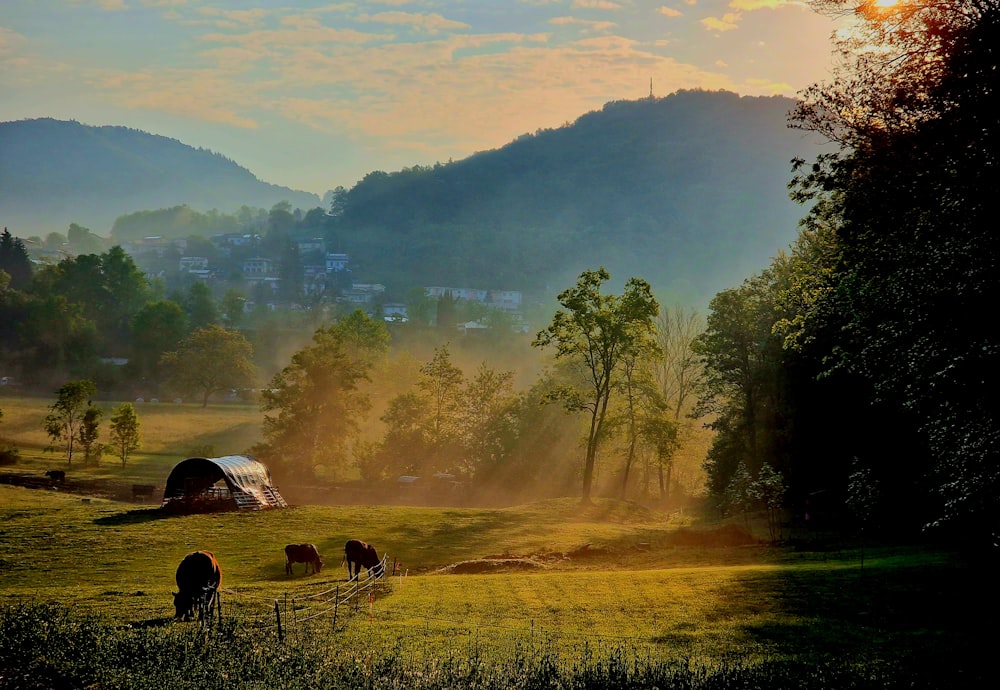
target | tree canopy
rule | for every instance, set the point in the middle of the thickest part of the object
(595, 333)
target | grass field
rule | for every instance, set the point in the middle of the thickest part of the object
(632, 586)
(576, 581)
(170, 433)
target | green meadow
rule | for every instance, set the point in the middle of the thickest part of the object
(550, 593)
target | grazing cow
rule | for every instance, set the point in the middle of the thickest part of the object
(357, 553)
(56, 475)
(302, 553)
(198, 580)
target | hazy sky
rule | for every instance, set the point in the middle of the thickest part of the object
(312, 95)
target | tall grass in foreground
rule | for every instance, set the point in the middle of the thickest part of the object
(46, 646)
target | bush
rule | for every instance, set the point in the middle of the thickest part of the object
(9, 456)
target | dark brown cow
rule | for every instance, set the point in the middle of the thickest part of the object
(302, 553)
(56, 475)
(357, 553)
(199, 577)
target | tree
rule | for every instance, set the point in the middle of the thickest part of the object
(742, 389)
(14, 260)
(233, 305)
(157, 328)
(406, 446)
(914, 108)
(125, 438)
(442, 384)
(488, 419)
(594, 332)
(66, 414)
(89, 433)
(208, 361)
(769, 490)
(313, 407)
(677, 371)
(109, 288)
(199, 304)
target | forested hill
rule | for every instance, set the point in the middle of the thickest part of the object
(687, 191)
(55, 172)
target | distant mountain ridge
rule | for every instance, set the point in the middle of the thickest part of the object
(54, 172)
(688, 191)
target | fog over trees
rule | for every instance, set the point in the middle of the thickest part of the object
(845, 380)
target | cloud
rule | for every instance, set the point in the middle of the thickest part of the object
(234, 19)
(430, 23)
(669, 12)
(768, 85)
(751, 5)
(201, 94)
(586, 24)
(726, 22)
(596, 5)
(10, 41)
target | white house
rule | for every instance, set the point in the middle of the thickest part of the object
(336, 262)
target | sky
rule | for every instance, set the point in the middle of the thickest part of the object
(314, 95)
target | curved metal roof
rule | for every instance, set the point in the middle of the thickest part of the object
(248, 480)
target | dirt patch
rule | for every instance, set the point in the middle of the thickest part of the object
(483, 566)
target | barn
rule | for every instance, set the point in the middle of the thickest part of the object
(232, 482)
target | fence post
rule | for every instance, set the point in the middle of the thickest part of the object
(336, 608)
(277, 615)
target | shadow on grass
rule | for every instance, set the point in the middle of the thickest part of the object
(902, 608)
(133, 517)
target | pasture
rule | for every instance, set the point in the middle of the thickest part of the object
(493, 579)
(485, 597)
(170, 432)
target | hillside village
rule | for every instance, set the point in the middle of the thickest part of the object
(323, 277)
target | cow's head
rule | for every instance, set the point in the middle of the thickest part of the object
(183, 606)
(319, 564)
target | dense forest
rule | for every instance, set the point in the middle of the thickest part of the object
(859, 366)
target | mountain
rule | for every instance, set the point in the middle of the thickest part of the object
(55, 172)
(687, 191)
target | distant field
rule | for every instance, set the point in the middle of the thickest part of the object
(635, 584)
(169, 434)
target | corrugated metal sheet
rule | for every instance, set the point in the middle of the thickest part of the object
(249, 481)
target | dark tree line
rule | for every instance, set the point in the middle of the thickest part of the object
(869, 349)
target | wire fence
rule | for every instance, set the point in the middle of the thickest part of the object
(286, 615)
(291, 617)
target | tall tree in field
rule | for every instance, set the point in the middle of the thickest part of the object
(677, 371)
(89, 433)
(208, 361)
(595, 332)
(314, 405)
(125, 438)
(66, 414)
